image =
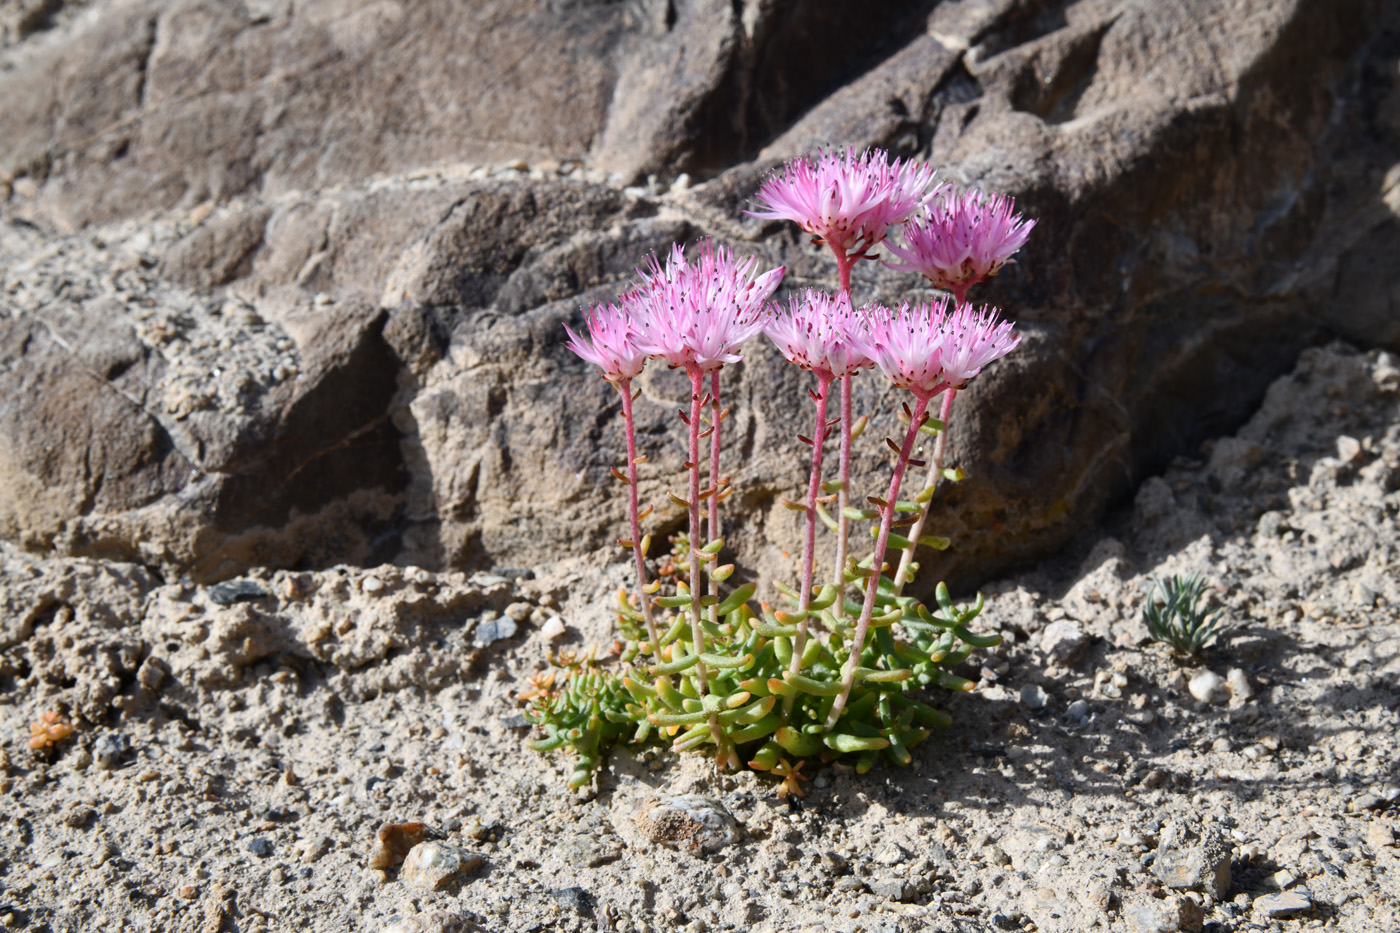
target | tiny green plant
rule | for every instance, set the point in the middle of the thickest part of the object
(1175, 618)
(838, 668)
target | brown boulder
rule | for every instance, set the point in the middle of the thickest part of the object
(344, 343)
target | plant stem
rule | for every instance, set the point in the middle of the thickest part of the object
(697, 631)
(872, 583)
(843, 495)
(625, 387)
(809, 540)
(901, 576)
(713, 531)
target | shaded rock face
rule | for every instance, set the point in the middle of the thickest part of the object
(278, 292)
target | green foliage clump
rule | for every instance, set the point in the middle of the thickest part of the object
(759, 708)
(1175, 618)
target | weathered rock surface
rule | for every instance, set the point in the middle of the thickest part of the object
(266, 304)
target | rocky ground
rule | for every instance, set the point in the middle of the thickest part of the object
(237, 747)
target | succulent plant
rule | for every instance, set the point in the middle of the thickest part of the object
(1175, 618)
(823, 676)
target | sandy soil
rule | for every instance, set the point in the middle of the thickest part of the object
(237, 747)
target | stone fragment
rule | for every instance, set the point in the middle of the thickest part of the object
(1064, 642)
(1201, 864)
(1367, 800)
(893, 889)
(1238, 684)
(690, 821)
(574, 899)
(235, 591)
(434, 921)
(1034, 696)
(1348, 448)
(393, 843)
(108, 750)
(586, 850)
(494, 630)
(553, 628)
(1282, 906)
(260, 846)
(1379, 835)
(152, 673)
(1171, 915)
(430, 865)
(1209, 687)
(891, 854)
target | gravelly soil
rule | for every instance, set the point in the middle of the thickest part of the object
(236, 748)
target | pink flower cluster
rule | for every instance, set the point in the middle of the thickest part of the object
(928, 348)
(689, 314)
(962, 239)
(820, 332)
(611, 343)
(700, 314)
(924, 349)
(847, 201)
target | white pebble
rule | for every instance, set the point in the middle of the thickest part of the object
(1238, 684)
(1208, 687)
(552, 628)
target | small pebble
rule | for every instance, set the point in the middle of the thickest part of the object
(1282, 906)
(891, 854)
(372, 585)
(260, 846)
(1367, 801)
(235, 591)
(1239, 684)
(393, 842)
(430, 865)
(1064, 642)
(108, 750)
(494, 630)
(552, 628)
(1208, 687)
(1034, 696)
(697, 822)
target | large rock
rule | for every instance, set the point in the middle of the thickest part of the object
(268, 304)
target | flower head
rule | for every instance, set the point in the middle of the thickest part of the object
(926, 348)
(907, 345)
(612, 343)
(820, 332)
(699, 314)
(846, 200)
(962, 239)
(971, 340)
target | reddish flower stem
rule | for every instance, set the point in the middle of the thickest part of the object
(872, 583)
(935, 471)
(714, 531)
(625, 387)
(697, 632)
(809, 540)
(844, 263)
